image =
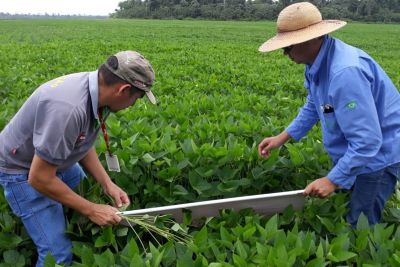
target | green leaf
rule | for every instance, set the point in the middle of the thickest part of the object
(107, 238)
(136, 261)
(362, 240)
(241, 249)
(14, 258)
(131, 249)
(182, 164)
(362, 223)
(184, 255)
(123, 231)
(156, 255)
(188, 146)
(281, 252)
(229, 186)
(87, 257)
(148, 158)
(205, 171)
(200, 261)
(105, 259)
(225, 235)
(271, 227)
(327, 222)
(396, 259)
(395, 212)
(217, 252)
(169, 257)
(339, 249)
(49, 261)
(198, 183)
(129, 142)
(262, 250)
(296, 156)
(187, 217)
(7, 222)
(180, 191)
(201, 238)
(320, 251)
(169, 173)
(344, 256)
(9, 240)
(248, 234)
(228, 173)
(238, 261)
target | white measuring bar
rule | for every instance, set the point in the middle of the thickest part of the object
(267, 204)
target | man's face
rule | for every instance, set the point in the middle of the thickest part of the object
(303, 53)
(124, 97)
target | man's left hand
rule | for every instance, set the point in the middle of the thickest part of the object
(321, 188)
(119, 195)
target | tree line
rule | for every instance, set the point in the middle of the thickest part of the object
(359, 10)
(4, 15)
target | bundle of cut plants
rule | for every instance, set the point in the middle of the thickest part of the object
(161, 225)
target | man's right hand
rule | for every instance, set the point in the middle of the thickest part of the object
(103, 214)
(269, 143)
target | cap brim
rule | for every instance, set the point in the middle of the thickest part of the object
(151, 97)
(284, 39)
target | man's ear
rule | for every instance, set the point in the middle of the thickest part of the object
(124, 88)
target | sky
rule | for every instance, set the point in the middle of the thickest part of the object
(62, 7)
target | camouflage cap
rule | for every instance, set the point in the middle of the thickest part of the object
(136, 70)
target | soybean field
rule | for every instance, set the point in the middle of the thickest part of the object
(218, 98)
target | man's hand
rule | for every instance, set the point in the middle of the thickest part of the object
(103, 214)
(119, 196)
(321, 188)
(272, 142)
(93, 165)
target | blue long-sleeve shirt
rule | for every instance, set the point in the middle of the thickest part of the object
(359, 109)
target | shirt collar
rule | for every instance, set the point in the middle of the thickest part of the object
(94, 92)
(315, 66)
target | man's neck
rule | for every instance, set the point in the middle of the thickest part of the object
(315, 48)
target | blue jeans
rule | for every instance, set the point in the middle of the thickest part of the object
(370, 193)
(42, 217)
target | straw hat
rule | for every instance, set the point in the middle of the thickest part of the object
(299, 23)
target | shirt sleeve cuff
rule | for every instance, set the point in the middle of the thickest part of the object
(342, 180)
(295, 132)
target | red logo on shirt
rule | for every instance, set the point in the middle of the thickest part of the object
(81, 138)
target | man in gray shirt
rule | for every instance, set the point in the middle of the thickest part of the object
(54, 130)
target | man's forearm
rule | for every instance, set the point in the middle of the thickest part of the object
(284, 137)
(42, 177)
(93, 165)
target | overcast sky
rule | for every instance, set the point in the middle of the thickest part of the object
(62, 7)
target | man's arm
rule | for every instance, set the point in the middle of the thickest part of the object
(93, 165)
(42, 177)
(305, 120)
(272, 142)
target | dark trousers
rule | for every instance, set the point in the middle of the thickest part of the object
(370, 193)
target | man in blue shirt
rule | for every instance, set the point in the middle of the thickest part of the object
(355, 101)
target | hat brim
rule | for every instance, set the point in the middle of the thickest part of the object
(284, 39)
(151, 97)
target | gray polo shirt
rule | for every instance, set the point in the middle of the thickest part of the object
(58, 123)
